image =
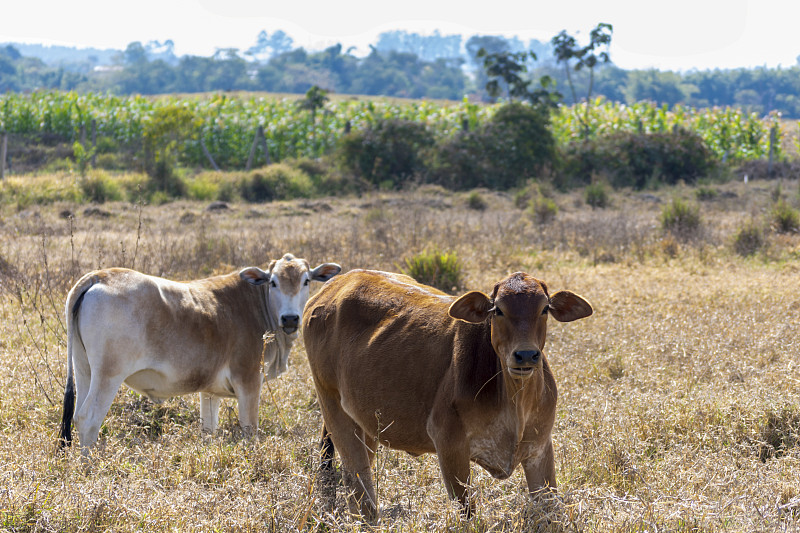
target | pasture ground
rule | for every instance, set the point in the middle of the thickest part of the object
(679, 404)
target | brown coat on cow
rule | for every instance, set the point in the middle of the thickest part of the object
(408, 366)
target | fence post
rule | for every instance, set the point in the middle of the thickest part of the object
(94, 143)
(773, 138)
(259, 136)
(264, 144)
(208, 154)
(3, 152)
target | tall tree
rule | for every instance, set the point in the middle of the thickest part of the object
(268, 46)
(505, 69)
(575, 57)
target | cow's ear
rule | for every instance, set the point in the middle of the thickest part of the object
(566, 306)
(325, 271)
(472, 307)
(254, 275)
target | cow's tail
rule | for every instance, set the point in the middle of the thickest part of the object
(74, 300)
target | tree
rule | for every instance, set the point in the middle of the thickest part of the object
(268, 46)
(167, 129)
(315, 99)
(575, 57)
(492, 44)
(230, 71)
(665, 88)
(515, 145)
(505, 69)
(161, 50)
(427, 47)
(135, 54)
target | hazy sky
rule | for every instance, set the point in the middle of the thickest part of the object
(668, 35)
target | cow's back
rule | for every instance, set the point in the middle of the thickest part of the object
(383, 344)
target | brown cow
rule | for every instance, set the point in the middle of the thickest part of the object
(408, 366)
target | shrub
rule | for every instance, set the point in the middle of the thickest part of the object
(514, 146)
(275, 182)
(705, 193)
(680, 218)
(476, 201)
(98, 187)
(163, 135)
(638, 160)
(134, 185)
(748, 239)
(389, 152)
(532, 189)
(443, 270)
(204, 186)
(82, 157)
(110, 162)
(785, 219)
(596, 195)
(165, 181)
(543, 210)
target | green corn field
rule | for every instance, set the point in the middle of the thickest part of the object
(228, 122)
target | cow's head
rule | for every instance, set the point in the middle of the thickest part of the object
(518, 311)
(289, 279)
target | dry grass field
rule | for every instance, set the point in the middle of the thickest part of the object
(679, 404)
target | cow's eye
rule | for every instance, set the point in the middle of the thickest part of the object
(546, 308)
(306, 282)
(273, 284)
(497, 312)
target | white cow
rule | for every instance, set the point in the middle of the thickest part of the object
(167, 338)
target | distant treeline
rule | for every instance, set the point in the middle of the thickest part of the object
(399, 65)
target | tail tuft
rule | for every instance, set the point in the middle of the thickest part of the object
(65, 437)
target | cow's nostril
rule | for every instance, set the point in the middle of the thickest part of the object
(290, 320)
(527, 357)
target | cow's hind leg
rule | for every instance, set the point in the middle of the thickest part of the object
(91, 412)
(326, 484)
(356, 456)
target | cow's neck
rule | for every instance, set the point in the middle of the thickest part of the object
(523, 391)
(277, 344)
(525, 397)
(271, 322)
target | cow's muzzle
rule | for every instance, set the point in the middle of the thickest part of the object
(524, 362)
(290, 323)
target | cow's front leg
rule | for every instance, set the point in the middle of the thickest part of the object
(209, 411)
(540, 470)
(454, 463)
(452, 450)
(248, 400)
